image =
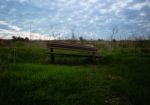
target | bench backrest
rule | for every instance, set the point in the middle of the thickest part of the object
(66, 45)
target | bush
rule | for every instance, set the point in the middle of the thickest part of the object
(14, 38)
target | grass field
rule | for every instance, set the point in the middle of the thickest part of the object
(120, 77)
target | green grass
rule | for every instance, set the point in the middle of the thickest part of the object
(119, 78)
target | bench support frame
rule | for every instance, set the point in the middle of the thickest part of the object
(52, 55)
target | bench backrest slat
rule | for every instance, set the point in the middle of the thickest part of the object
(72, 46)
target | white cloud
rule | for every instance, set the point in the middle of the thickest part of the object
(108, 20)
(103, 11)
(22, 1)
(2, 6)
(142, 14)
(7, 34)
(13, 27)
(139, 6)
(91, 21)
(69, 19)
(92, 1)
(17, 31)
(115, 7)
(120, 5)
(3, 22)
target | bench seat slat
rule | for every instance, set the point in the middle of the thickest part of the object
(74, 55)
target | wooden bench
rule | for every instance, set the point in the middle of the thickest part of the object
(74, 47)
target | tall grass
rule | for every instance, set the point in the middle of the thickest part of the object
(119, 78)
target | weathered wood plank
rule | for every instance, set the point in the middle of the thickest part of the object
(75, 55)
(66, 45)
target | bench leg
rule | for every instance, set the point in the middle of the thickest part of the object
(52, 56)
(93, 56)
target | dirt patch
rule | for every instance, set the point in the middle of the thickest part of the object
(114, 77)
(114, 100)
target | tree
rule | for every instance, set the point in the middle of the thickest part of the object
(73, 35)
(100, 40)
(112, 36)
(14, 38)
(52, 32)
(81, 38)
(26, 39)
(148, 36)
(114, 32)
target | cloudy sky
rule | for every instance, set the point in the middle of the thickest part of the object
(91, 19)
